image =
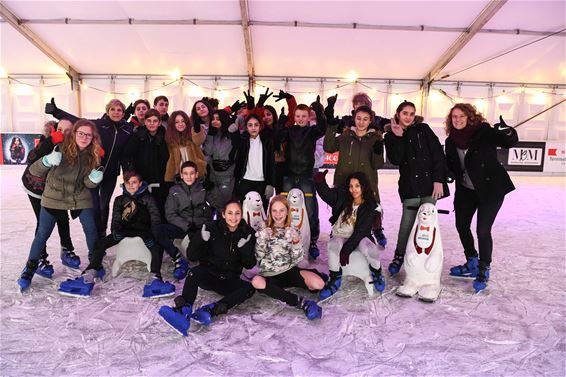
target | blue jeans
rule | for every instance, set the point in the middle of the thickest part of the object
(306, 185)
(47, 223)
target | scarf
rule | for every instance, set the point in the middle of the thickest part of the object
(463, 137)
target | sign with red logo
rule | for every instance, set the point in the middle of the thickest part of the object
(555, 157)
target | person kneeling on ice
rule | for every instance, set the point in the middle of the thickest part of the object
(133, 215)
(278, 251)
(71, 170)
(352, 221)
(223, 247)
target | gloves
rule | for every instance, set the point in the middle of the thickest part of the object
(269, 191)
(232, 128)
(250, 100)
(205, 234)
(501, 126)
(320, 177)
(282, 95)
(317, 106)
(264, 97)
(237, 106)
(329, 111)
(344, 258)
(244, 241)
(129, 111)
(96, 176)
(52, 159)
(50, 107)
(56, 136)
(378, 147)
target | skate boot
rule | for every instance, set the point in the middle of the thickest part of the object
(482, 278)
(158, 288)
(78, 287)
(45, 269)
(181, 267)
(380, 237)
(314, 252)
(179, 316)
(204, 314)
(377, 279)
(331, 286)
(467, 270)
(396, 263)
(311, 308)
(27, 274)
(69, 258)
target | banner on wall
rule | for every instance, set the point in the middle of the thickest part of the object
(525, 156)
(555, 157)
(331, 159)
(16, 147)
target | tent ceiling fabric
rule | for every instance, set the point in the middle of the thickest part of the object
(288, 51)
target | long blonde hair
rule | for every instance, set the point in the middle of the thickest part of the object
(280, 199)
(70, 149)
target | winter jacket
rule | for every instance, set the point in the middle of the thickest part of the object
(278, 250)
(66, 186)
(420, 158)
(134, 215)
(336, 199)
(224, 252)
(356, 154)
(378, 123)
(175, 160)
(267, 153)
(220, 152)
(114, 137)
(33, 185)
(301, 144)
(186, 206)
(148, 155)
(490, 180)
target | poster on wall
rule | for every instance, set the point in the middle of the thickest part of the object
(525, 156)
(555, 157)
(331, 159)
(16, 147)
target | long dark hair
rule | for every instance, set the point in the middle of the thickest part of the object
(273, 112)
(225, 122)
(194, 116)
(367, 194)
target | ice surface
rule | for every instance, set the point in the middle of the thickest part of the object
(514, 328)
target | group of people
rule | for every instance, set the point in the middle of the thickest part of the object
(186, 176)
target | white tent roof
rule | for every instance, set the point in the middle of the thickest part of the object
(98, 39)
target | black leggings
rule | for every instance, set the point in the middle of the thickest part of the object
(466, 203)
(62, 226)
(292, 278)
(234, 289)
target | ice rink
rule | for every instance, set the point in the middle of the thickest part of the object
(516, 327)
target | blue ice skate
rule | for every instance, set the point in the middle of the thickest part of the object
(203, 315)
(480, 283)
(181, 268)
(311, 309)
(76, 287)
(45, 269)
(314, 251)
(178, 318)
(70, 259)
(27, 274)
(377, 279)
(380, 237)
(158, 288)
(469, 269)
(331, 286)
(395, 265)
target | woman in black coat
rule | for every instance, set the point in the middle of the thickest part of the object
(481, 183)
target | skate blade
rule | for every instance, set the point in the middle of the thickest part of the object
(160, 296)
(404, 295)
(465, 277)
(173, 327)
(69, 294)
(426, 299)
(326, 299)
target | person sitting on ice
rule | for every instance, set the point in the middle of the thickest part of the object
(223, 247)
(133, 215)
(278, 251)
(353, 212)
(186, 209)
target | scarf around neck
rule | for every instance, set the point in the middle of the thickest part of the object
(463, 137)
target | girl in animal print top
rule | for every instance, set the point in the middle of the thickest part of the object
(278, 251)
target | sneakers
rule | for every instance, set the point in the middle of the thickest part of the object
(181, 268)
(311, 309)
(482, 278)
(158, 288)
(69, 258)
(395, 265)
(469, 269)
(380, 237)
(79, 287)
(331, 286)
(45, 269)
(178, 317)
(27, 274)
(314, 252)
(377, 279)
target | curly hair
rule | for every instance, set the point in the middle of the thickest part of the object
(174, 137)
(70, 149)
(367, 193)
(474, 116)
(285, 202)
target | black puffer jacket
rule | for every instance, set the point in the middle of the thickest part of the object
(187, 206)
(490, 180)
(420, 158)
(225, 252)
(268, 157)
(148, 154)
(134, 215)
(336, 198)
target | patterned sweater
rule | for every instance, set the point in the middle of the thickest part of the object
(278, 250)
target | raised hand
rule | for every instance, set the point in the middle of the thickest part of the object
(317, 106)
(396, 128)
(282, 95)
(250, 100)
(237, 106)
(264, 97)
(50, 107)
